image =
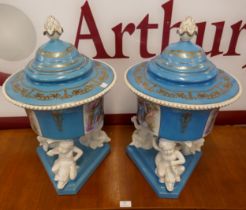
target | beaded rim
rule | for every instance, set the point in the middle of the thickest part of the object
(64, 105)
(179, 105)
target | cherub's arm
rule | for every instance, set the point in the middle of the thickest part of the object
(43, 142)
(134, 120)
(53, 152)
(179, 158)
(78, 152)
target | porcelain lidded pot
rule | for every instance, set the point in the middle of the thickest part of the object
(179, 95)
(62, 93)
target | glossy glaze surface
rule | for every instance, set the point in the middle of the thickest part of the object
(182, 74)
(57, 75)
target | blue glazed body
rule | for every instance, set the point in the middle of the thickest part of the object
(184, 125)
(176, 124)
(69, 123)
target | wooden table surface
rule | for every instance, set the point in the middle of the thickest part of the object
(218, 182)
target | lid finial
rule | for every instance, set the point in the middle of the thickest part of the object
(187, 29)
(52, 28)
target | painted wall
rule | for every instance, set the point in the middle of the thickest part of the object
(222, 30)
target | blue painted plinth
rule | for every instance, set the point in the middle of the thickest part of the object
(87, 165)
(145, 161)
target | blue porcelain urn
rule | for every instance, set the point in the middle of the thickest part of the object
(62, 93)
(179, 95)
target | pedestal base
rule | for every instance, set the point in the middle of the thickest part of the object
(145, 161)
(87, 165)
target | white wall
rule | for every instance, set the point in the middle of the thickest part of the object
(109, 13)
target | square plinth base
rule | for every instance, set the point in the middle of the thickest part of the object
(145, 161)
(87, 163)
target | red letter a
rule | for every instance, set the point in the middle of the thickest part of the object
(94, 34)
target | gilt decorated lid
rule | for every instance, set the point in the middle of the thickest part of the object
(183, 77)
(59, 76)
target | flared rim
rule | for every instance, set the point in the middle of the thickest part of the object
(182, 105)
(61, 105)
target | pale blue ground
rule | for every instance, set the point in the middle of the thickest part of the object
(88, 163)
(145, 161)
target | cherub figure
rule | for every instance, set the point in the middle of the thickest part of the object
(191, 147)
(95, 139)
(64, 167)
(168, 162)
(142, 137)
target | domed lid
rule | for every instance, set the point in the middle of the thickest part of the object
(182, 76)
(59, 76)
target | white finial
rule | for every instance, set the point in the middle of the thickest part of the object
(187, 29)
(52, 28)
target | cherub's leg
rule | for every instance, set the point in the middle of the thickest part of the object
(73, 171)
(61, 184)
(56, 166)
(169, 186)
(170, 180)
(181, 169)
(178, 171)
(161, 172)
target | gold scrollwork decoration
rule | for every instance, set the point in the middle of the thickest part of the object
(215, 91)
(57, 66)
(49, 54)
(58, 118)
(185, 120)
(184, 54)
(30, 92)
(167, 64)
